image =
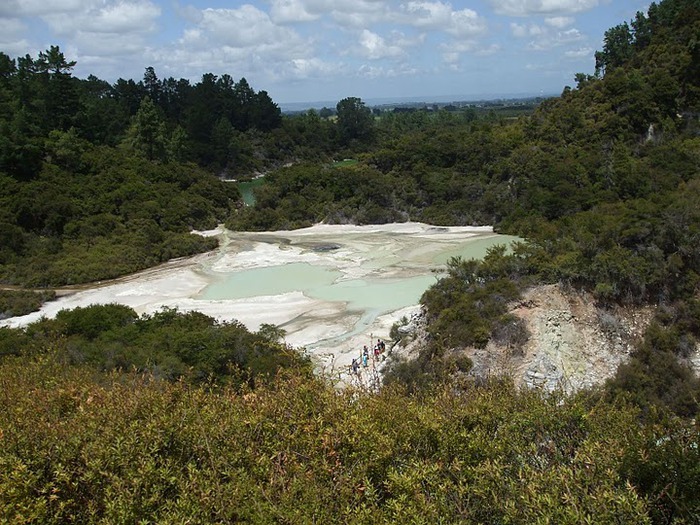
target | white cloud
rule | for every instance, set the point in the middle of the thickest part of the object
(11, 27)
(542, 7)
(18, 8)
(246, 26)
(543, 38)
(560, 22)
(466, 24)
(88, 28)
(570, 35)
(107, 44)
(349, 13)
(452, 52)
(283, 11)
(440, 16)
(549, 41)
(121, 17)
(374, 46)
(374, 72)
(400, 39)
(488, 51)
(430, 15)
(451, 57)
(581, 52)
(402, 70)
(12, 42)
(370, 71)
(311, 67)
(526, 30)
(362, 14)
(243, 41)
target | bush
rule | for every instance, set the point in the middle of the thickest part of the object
(94, 449)
(168, 344)
(14, 303)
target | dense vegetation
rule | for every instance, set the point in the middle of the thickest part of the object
(22, 302)
(87, 448)
(603, 182)
(626, 134)
(102, 213)
(73, 207)
(167, 345)
(107, 416)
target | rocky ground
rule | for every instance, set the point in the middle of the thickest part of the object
(573, 343)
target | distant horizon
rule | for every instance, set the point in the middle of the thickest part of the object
(309, 51)
(423, 99)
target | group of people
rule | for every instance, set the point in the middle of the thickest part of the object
(363, 360)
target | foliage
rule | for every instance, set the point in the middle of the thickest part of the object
(93, 213)
(603, 183)
(21, 302)
(351, 194)
(168, 344)
(355, 121)
(470, 304)
(659, 374)
(88, 448)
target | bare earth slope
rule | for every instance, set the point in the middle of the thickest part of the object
(573, 342)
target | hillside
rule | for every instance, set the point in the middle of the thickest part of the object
(111, 417)
(603, 184)
(93, 448)
(568, 342)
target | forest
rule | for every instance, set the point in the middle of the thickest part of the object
(108, 416)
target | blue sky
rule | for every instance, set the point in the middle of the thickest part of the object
(311, 50)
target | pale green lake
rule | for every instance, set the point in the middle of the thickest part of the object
(331, 288)
(319, 282)
(394, 274)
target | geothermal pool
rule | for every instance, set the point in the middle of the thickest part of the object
(332, 288)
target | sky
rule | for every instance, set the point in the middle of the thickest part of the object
(326, 50)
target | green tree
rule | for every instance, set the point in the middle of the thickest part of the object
(266, 114)
(54, 62)
(147, 132)
(60, 89)
(221, 135)
(355, 121)
(617, 48)
(152, 85)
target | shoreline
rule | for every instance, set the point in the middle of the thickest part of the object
(331, 330)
